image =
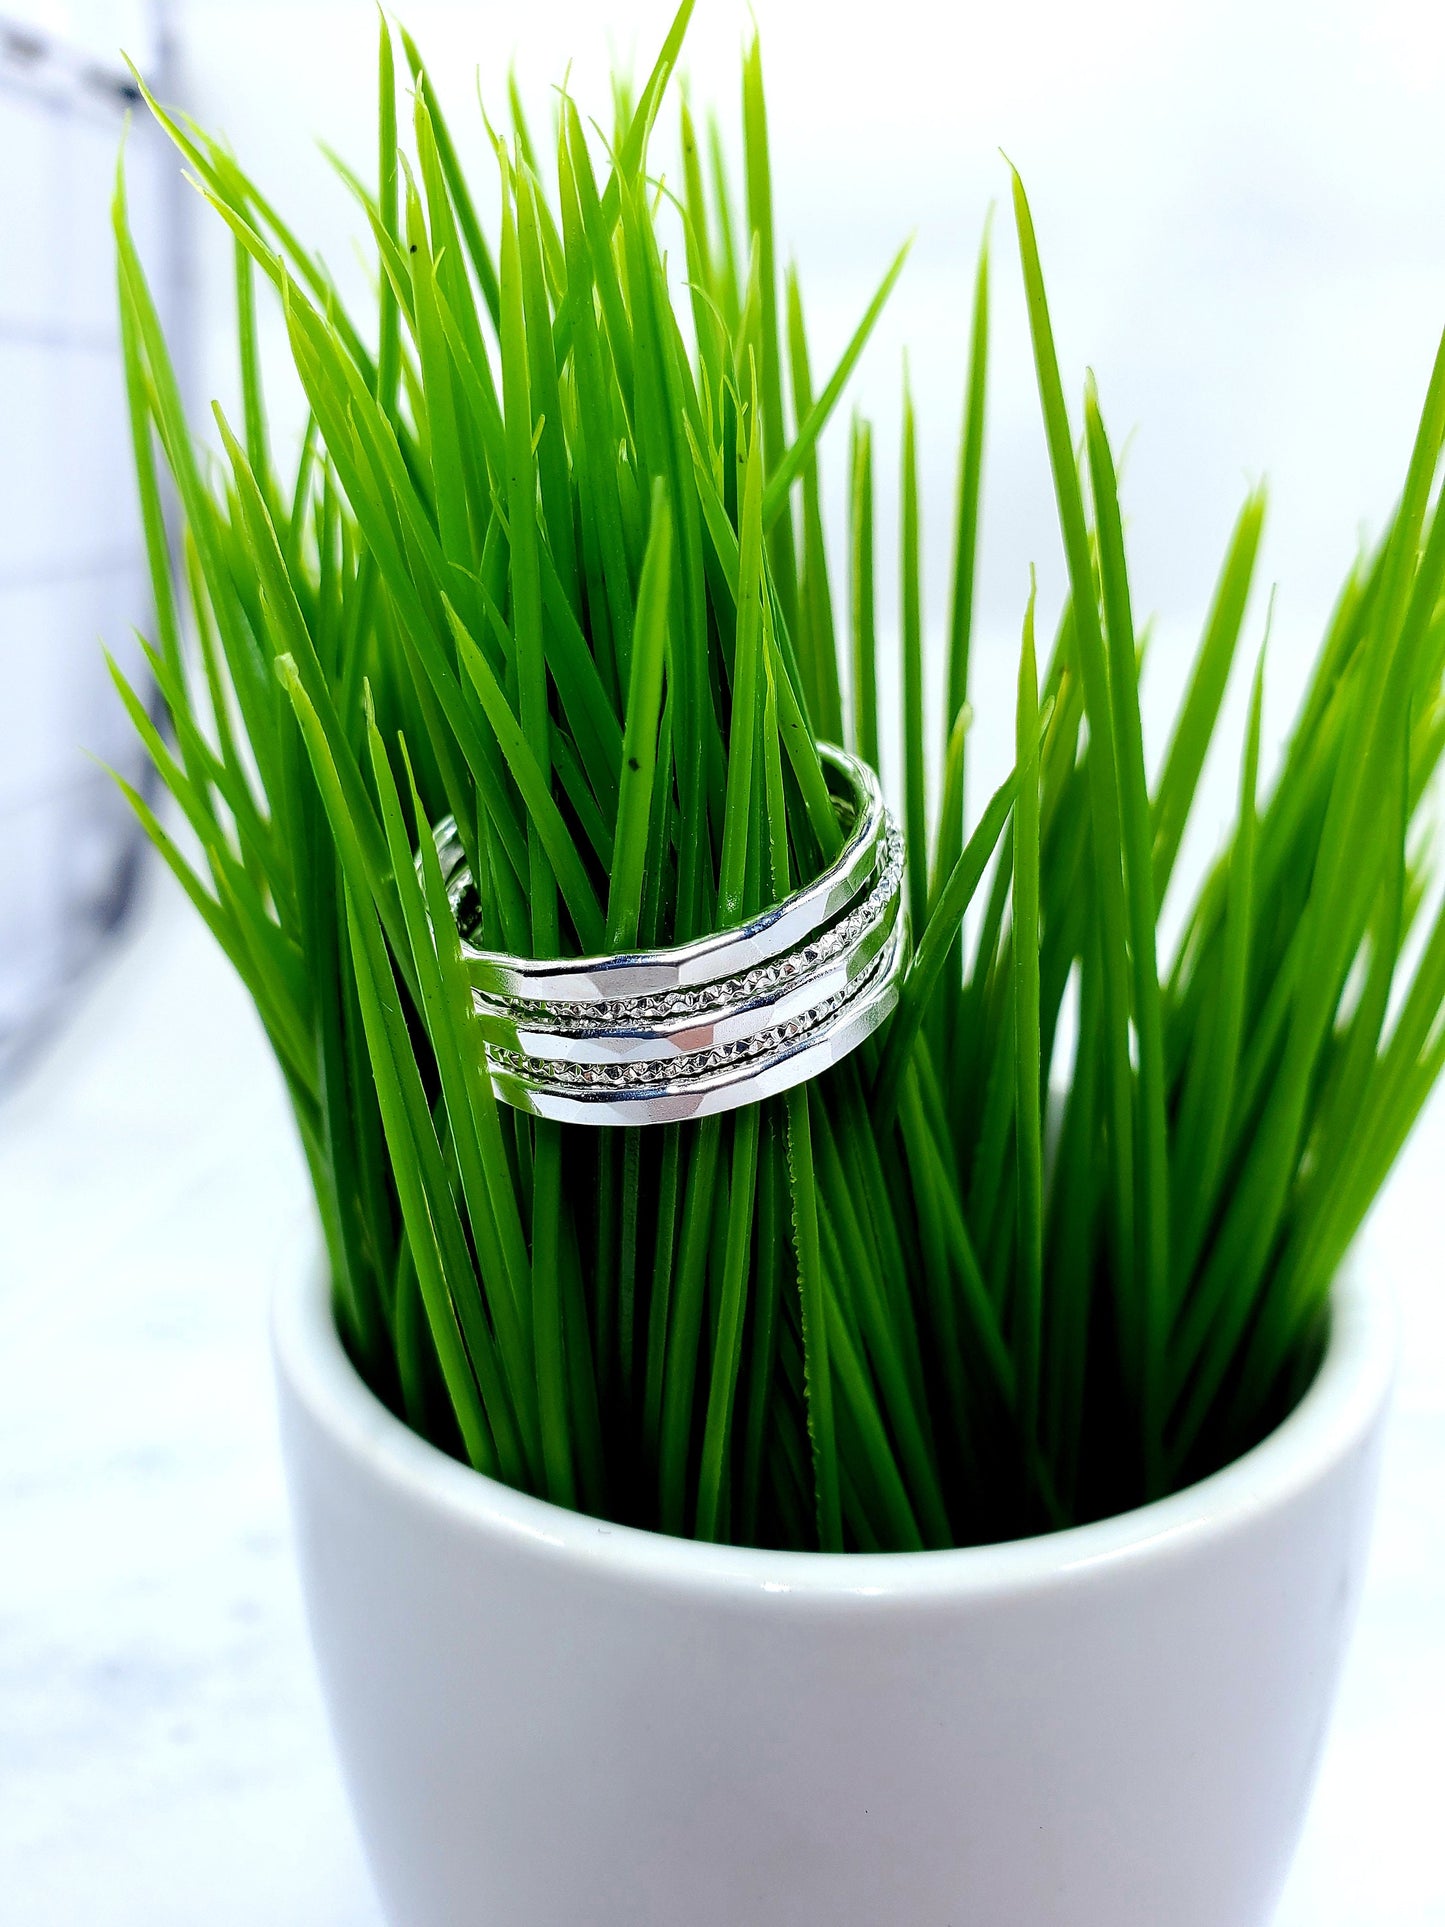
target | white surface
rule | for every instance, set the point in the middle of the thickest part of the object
(162, 1756)
(546, 1719)
(162, 1753)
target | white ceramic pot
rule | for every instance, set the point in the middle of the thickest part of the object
(545, 1721)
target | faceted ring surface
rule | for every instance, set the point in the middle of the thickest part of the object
(660, 1036)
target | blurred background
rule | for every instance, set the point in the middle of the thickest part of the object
(72, 566)
(1242, 215)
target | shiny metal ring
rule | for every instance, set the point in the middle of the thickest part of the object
(663, 1035)
(709, 960)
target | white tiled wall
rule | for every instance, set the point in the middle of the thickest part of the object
(71, 565)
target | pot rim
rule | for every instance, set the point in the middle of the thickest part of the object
(1343, 1402)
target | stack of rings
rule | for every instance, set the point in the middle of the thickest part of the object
(659, 1036)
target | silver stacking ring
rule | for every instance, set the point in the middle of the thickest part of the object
(660, 1036)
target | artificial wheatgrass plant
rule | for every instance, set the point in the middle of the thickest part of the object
(551, 559)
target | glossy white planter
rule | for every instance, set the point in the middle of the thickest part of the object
(549, 1722)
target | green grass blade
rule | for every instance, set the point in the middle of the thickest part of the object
(686, 1318)
(1152, 1176)
(477, 250)
(862, 604)
(1103, 781)
(1028, 1095)
(778, 517)
(388, 355)
(915, 798)
(1199, 712)
(970, 482)
(526, 583)
(639, 749)
(1210, 1089)
(556, 854)
(790, 465)
(817, 644)
(733, 1302)
(943, 923)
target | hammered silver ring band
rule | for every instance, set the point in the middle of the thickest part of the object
(661, 1036)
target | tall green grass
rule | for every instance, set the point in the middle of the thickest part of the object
(551, 558)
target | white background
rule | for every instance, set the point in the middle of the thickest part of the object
(1242, 214)
(72, 565)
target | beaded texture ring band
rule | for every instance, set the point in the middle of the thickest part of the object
(660, 1036)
